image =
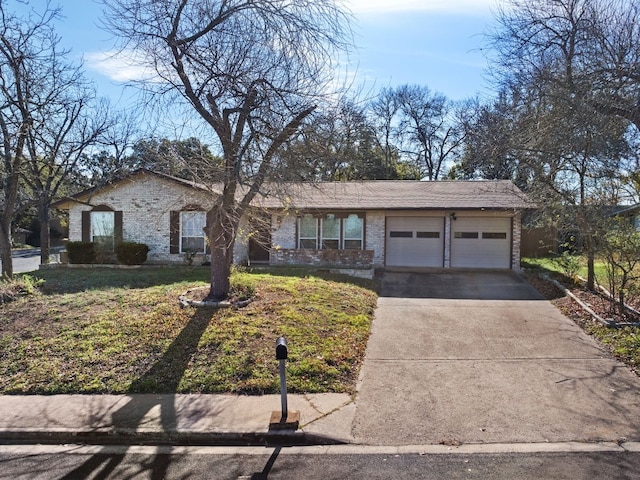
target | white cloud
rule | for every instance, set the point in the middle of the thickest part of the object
(120, 66)
(441, 6)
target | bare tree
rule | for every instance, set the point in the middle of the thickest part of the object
(489, 150)
(589, 50)
(253, 71)
(427, 129)
(113, 159)
(383, 111)
(33, 75)
(74, 122)
(578, 61)
(621, 248)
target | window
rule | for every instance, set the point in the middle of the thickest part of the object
(494, 235)
(427, 234)
(308, 236)
(102, 226)
(192, 234)
(331, 232)
(103, 230)
(466, 235)
(353, 227)
(397, 234)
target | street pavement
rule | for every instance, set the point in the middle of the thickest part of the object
(486, 364)
(25, 261)
(53, 462)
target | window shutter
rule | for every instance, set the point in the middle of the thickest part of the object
(117, 227)
(174, 232)
(86, 226)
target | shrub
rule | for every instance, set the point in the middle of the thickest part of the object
(81, 252)
(621, 248)
(569, 263)
(20, 286)
(132, 253)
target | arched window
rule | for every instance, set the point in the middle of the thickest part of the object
(103, 226)
(188, 230)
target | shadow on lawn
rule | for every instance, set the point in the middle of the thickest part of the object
(163, 376)
(101, 278)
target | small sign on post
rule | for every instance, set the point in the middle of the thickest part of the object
(284, 419)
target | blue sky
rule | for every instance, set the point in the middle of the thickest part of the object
(428, 42)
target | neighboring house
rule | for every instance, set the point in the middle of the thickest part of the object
(630, 212)
(355, 225)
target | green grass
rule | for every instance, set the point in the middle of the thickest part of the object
(554, 266)
(623, 342)
(123, 331)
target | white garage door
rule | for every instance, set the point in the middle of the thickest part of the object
(415, 242)
(481, 242)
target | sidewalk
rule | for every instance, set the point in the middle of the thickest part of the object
(173, 419)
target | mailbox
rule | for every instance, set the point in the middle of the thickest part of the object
(281, 349)
(283, 419)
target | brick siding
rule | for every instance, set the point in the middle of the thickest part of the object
(360, 259)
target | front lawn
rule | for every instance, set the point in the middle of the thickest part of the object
(123, 331)
(553, 265)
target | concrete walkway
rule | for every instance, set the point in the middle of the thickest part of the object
(173, 419)
(486, 361)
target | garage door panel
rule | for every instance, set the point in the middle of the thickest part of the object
(481, 242)
(415, 241)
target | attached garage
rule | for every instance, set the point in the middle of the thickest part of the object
(415, 241)
(481, 242)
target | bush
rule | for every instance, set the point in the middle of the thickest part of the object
(621, 248)
(20, 286)
(81, 252)
(568, 263)
(132, 253)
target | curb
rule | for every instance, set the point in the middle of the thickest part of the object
(181, 438)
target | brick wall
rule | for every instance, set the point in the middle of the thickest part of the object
(283, 228)
(324, 258)
(375, 236)
(516, 241)
(283, 237)
(447, 241)
(145, 203)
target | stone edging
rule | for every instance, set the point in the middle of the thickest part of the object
(603, 321)
(187, 302)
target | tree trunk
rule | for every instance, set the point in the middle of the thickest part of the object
(591, 275)
(222, 227)
(5, 249)
(45, 232)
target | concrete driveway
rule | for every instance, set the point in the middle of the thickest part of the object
(480, 357)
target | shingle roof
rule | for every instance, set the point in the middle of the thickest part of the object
(401, 194)
(367, 195)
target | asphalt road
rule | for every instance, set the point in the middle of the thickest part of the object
(75, 462)
(26, 260)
